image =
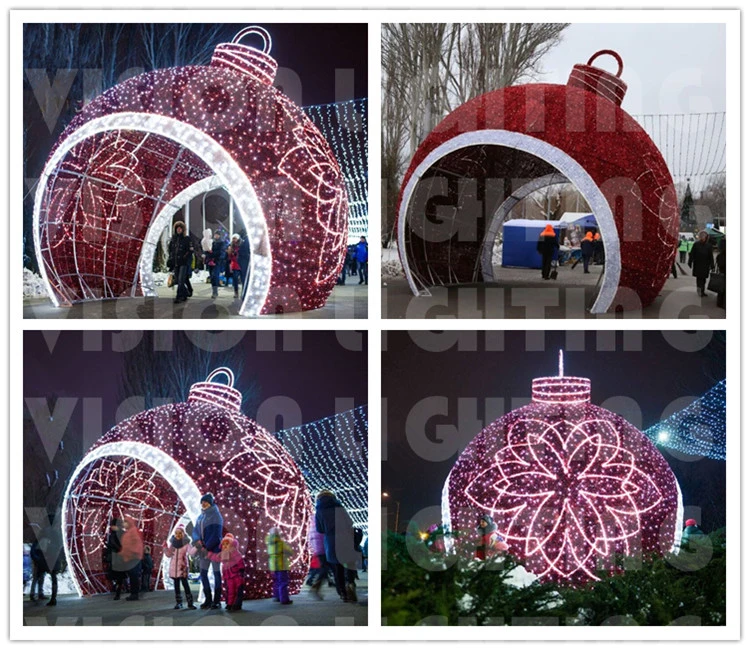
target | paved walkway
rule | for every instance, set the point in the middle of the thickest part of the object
(156, 608)
(522, 293)
(348, 301)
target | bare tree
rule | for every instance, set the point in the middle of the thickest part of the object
(430, 69)
(164, 365)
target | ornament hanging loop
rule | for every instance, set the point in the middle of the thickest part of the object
(222, 371)
(611, 53)
(255, 30)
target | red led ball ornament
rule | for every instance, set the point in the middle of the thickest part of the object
(498, 148)
(156, 465)
(141, 151)
(569, 485)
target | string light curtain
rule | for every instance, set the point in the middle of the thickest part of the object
(156, 465)
(344, 125)
(332, 454)
(700, 429)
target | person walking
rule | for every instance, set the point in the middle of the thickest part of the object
(207, 536)
(683, 249)
(316, 543)
(587, 250)
(278, 563)
(233, 253)
(131, 555)
(112, 560)
(147, 568)
(361, 256)
(598, 257)
(215, 262)
(50, 558)
(243, 259)
(547, 247)
(180, 260)
(332, 519)
(176, 549)
(701, 260)
(37, 572)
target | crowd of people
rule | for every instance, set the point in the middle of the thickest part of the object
(230, 260)
(334, 545)
(576, 246)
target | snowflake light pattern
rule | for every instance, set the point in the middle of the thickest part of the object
(570, 485)
(142, 145)
(156, 464)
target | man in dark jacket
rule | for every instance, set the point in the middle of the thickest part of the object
(180, 259)
(207, 535)
(50, 556)
(216, 261)
(332, 519)
(701, 260)
(587, 250)
(547, 247)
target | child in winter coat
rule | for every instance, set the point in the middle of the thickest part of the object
(177, 551)
(232, 570)
(490, 542)
(147, 568)
(278, 562)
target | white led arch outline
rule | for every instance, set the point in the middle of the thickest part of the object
(254, 30)
(561, 161)
(169, 469)
(210, 152)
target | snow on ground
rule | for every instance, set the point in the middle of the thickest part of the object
(33, 285)
(64, 584)
(390, 264)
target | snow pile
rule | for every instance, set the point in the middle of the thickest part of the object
(33, 285)
(64, 584)
(497, 254)
(520, 577)
(390, 264)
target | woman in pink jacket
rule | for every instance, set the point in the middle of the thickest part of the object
(177, 552)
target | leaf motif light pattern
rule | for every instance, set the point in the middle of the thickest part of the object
(181, 451)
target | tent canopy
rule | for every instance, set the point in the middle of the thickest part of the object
(585, 219)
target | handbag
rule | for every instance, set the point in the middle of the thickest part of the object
(717, 283)
(170, 280)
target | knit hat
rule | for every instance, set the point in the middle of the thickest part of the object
(209, 498)
(691, 522)
(325, 493)
(589, 236)
(548, 231)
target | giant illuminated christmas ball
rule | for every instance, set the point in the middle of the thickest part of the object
(569, 484)
(500, 147)
(156, 465)
(141, 151)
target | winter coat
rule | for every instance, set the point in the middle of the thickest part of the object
(218, 253)
(691, 532)
(180, 249)
(131, 552)
(232, 254)
(683, 247)
(178, 557)
(316, 542)
(278, 552)
(701, 259)
(361, 253)
(116, 569)
(587, 247)
(243, 255)
(332, 519)
(147, 564)
(48, 553)
(209, 529)
(547, 246)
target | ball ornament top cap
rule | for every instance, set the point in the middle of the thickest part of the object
(217, 394)
(603, 83)
(255, 62)
(561, 389)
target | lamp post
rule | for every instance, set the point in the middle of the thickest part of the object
(386, 495)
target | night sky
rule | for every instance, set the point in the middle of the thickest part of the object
(654, 374)
(315, 377)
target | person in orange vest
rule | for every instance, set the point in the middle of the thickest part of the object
(587, 250)
(598, 249)
(547, 247)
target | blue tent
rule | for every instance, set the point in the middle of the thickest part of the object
(520, 237)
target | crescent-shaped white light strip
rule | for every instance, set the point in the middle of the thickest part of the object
(226, 168)
(179, 480)
(561, 161)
